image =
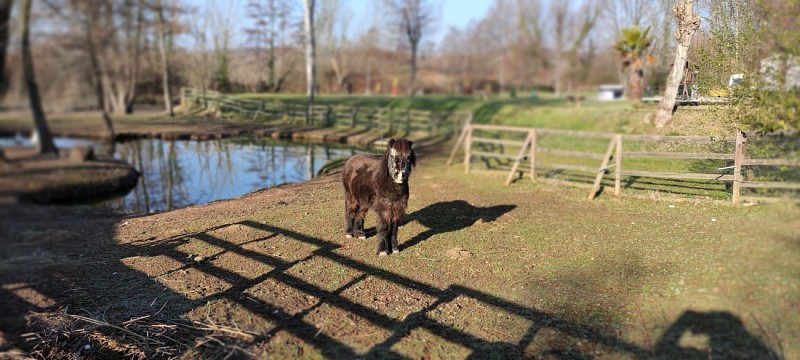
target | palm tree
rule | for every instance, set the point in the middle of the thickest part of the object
(633, 46)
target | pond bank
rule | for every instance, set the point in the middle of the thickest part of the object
(30, 178)
(77, 175)
(191, 126)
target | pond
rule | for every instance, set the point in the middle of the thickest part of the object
(180, 173)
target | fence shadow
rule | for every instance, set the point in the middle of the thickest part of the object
(175, 266)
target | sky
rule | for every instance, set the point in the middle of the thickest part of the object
(457, 13)
(452, 13)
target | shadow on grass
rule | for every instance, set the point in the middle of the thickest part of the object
(444, 217)
(115, 286)
(724, 333)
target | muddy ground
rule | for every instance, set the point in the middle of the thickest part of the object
(532, 270)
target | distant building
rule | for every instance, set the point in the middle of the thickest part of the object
(610, 92)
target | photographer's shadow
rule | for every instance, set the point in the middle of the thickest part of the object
(725, 334)
(443, 217)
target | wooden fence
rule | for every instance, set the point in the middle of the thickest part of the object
(388, 120)
(615, 152)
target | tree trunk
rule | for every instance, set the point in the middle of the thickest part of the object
(413, 74)
(368, 87)
(688, 22)
(45, 144)
(271, 65)
(98, 74)
(5, 14)
(164, 58)
(310, 58)
(129, 88)
(635, 83)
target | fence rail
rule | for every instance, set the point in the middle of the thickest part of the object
(614, 151)
(387, 119)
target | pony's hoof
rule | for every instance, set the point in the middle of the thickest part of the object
(362, 237)
(382, 253)
(348, 236)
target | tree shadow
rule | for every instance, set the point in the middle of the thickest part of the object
(447, 216)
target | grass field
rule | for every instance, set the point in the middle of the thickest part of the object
(485, 271)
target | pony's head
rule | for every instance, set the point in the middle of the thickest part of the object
(400, 159)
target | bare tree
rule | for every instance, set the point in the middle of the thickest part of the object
(45, 145)
(311, 69)
(532, 23)
(688, 22)
(414, 18)
(116, 36)
(571, 30)
(502, 33)
(5, 15)
(159, 9)
(222, 21)
(623, 14)
(90, 25)
(330, 28)
(273, 20)
(201, 64)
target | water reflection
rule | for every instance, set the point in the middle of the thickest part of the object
(181, 173)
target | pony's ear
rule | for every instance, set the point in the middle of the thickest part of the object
(412, 158)
(391, 142)
(410, 143)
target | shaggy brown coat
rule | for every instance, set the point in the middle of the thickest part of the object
(379, 183)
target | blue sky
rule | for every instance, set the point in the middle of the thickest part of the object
(456, 13)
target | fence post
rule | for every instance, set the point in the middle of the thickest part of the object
(330, 116)
(467, 148)
(183, 97)
(518, 159)
(408, 121)
(533, 154)
(380, 121)
(741, 142)
(461, 138)
(431, 121)
(603, 167)
(618, 169)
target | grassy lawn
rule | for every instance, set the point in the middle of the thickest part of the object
(486, 271)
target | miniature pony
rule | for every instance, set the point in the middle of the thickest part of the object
(379, 183)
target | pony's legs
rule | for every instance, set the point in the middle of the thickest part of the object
(350, 210)
(384, 236)
(395, 248)
(358, 222)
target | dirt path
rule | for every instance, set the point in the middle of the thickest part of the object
(485, 271)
